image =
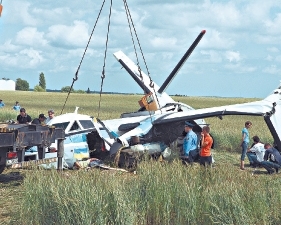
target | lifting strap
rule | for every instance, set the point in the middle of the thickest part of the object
(76, 74)
(130, 21)
(104, 59)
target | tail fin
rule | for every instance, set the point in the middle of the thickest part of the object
(142, 79)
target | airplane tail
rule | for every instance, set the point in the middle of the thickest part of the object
(143, 80)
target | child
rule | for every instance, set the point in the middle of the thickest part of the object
(17, 106)
(245, 142)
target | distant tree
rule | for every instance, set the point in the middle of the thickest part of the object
(4, 78)
(22, 85)
(42, 82)
(66, 89)
(80, 91)
(38, 88)
(88, 91)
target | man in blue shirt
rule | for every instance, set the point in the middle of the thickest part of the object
(190, 148)
(2, 104)
(274, 158)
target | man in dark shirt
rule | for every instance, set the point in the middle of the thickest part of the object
(40, 120)
(274, 158)
(23, 118)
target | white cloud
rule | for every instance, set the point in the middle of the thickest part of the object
(233, 56)
(273, 26)
(278, 58)
(163, 43)
(215, 56)
(52, 15)
(269, 58)
(27, 58)
(239, 68)
(215, 40)
(31, 37)
(273, 49)
(20, 13)
(30, 58)
(80, 51)
(7, 61)
(221, 14)
(273, 69)
(74, 36)
(8, 47)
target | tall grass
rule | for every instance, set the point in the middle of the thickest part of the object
(160, 193)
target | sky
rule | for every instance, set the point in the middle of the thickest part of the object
(239, 56)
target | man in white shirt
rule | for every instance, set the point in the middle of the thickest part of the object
(51, 115)
(256, 152)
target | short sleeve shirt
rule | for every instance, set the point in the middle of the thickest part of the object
(246, 132)
(206, 150)
(16, 107)
(24, 119)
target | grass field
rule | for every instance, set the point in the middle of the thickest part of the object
(159, 192)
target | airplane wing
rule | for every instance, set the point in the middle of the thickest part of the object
(269, 108)
(252, 109)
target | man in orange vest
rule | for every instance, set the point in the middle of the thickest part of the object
(206, 144)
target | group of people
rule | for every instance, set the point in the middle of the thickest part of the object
(15, 107)
(24, 118)
(259, 154)
(191, 149)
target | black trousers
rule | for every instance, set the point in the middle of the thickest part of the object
(205, 160)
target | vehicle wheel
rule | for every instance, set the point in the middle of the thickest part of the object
(2, 167)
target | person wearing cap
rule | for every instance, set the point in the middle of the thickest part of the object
(23, 118)
(190, 142)
(40, 120)
(2, 104)
(51, 115)
(271, 159)
(17, 106)
(206, 145)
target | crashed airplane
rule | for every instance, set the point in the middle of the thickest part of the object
(86, 137)
(160, 120)
(155, 133)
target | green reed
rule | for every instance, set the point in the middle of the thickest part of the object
(159, 193)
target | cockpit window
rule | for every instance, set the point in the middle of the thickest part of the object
(61, 125)
(75, 126)
(86, 124)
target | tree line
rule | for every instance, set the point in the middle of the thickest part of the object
(23, 85)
